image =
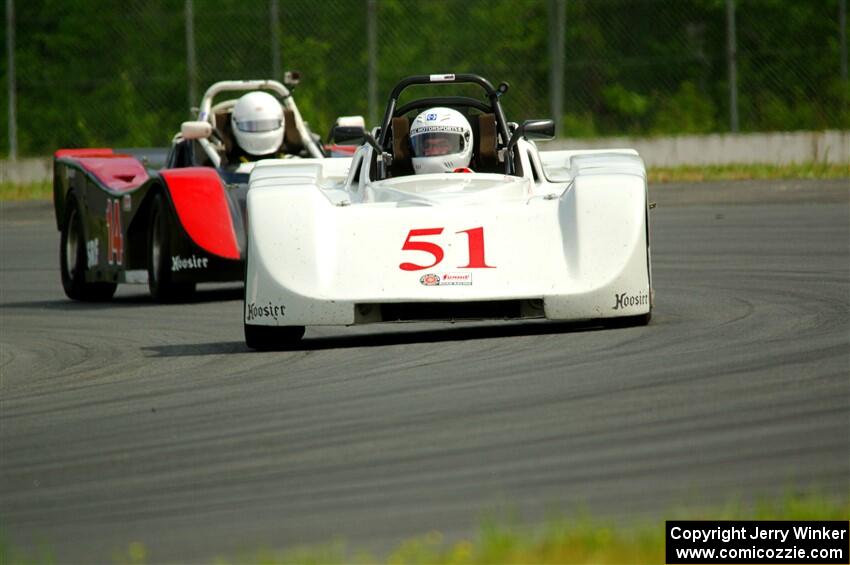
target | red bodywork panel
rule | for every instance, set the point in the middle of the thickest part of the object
(202, 208)
(336, 150)
(116, 171)
(98, 152)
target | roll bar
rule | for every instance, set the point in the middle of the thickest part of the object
(493, 95)
(274, 86)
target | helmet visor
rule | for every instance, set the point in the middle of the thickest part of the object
(436, 144)
(259, 125)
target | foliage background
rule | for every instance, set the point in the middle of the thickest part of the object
(98, 72)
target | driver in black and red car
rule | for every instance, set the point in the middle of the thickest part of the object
(257, 123)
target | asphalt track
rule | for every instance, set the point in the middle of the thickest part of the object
(132, 421)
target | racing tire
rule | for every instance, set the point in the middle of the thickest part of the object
(271, 338)
(73, 260)
(162, 287)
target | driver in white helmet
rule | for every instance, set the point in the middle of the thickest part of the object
(257, 122)
(440, 142)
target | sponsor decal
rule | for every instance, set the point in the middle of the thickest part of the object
(456, 279)
(442, 78)
(435, 128)
(430, 117)
(254, 311)
(92, 253)
(625, 300)
(178, 263)
(446, 279)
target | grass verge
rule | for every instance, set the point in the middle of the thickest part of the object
(577, 540)
(27, 191)
(816, 171)
(44, 190)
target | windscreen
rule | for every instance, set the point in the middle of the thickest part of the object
(259, 125)
(436, 143)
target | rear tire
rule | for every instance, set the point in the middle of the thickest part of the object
(73, 260)
(270, 338)
(160, 283)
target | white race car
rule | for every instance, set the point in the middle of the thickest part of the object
(511, 233)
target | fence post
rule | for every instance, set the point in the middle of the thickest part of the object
(557, 16)
(372, 71)
(10, 81)
(275, 33)
(732, 60)
(842, 31)
(190, 54)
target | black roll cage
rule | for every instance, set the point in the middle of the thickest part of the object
(493, 95)
(442, 101)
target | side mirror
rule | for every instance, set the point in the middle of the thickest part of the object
(341, 133)
(196, 130)
(538, 129)
(533, 129)
(356, 132)
(359, 132)
(343, 136)
(530, 129)
(351, 121)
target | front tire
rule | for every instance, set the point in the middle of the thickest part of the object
(160, 283)
(270, 338)
(73, 260)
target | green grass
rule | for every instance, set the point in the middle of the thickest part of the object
(27, 191)
(818, 171)
(44, 190)
(579, 539)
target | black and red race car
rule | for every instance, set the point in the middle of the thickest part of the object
(170, 218)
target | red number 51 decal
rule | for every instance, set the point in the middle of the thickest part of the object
(475, 239)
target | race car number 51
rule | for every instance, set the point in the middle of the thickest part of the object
(474, 238)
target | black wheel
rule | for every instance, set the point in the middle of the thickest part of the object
(73, 258)
(160, 283)
(269, 338)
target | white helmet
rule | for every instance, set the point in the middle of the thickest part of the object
(440, 141)
(258, 123)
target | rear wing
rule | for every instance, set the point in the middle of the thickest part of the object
(111, 170)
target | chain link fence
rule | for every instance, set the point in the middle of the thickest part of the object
(94, 72)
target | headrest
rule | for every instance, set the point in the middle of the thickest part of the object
(291, 137)
(487, 154)
(401, 139)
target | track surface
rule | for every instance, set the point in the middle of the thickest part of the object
(132, 421)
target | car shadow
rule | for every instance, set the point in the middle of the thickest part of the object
(382, 339)
(200, 296)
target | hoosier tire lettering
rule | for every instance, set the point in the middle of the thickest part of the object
(624, 300)
(253, 311)
(179, 263)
